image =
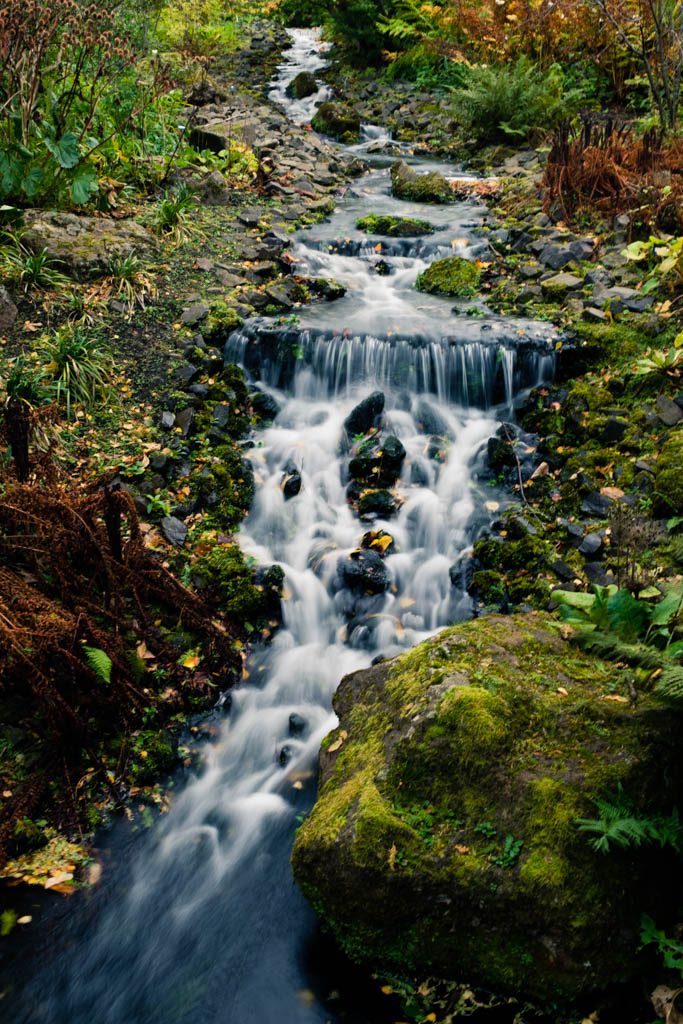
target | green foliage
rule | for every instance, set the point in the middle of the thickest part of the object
(28, 269)
(356, 27)
(664, 256)
(428, 69)
(509, 855)
(453, 276)
(80, 368)
(619, 824)
(99, 661)
(513, 102)
(26, 383)
(200, 28)
(671, 950)
(172, 214)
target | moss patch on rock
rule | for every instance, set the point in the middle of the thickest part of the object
(395, 227)
(338, 121)
(669, 476)
(419, 188)
(453, 276)
(444, 839)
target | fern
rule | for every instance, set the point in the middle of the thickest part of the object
(100, 662)
(670, 684)
(619, 824)
(611, 647)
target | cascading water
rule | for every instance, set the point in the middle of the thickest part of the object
(208, 927)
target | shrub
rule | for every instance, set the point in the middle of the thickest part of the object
(512, 102)
(81, 370)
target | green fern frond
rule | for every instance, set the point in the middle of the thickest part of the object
(612, 648)
(100, 662)
(669, 686)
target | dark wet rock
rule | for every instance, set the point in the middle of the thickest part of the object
(563, 571)
(302, 85)
(382, 268)
(185, 420)
(174, 530)
(187, 373)
(419, 475)
(291, 481)
(365, 571)
(557, 286)
(596, 573)
(382, 504)
(264, 406)
(378, 461)
(211, 189)
(614, 429)
(500, 453)
(432, 187)
(221, 415)
(518, 527)
(379, 541)
(430, 419)
(596, 504)
(591, 545)
(297, 724)
(366, 415)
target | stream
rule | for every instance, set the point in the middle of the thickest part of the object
(203, 924)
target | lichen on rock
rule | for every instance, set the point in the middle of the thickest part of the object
(444, 839)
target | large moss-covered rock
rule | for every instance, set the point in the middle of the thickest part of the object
(84, 247)
(394, 227)
(338, 121)
(302, 85)
(444, 838)
(669, 478)
(419, 188)
(453, 276)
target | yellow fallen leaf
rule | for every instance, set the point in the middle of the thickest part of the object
(616, 697)
(562, 692)
(58, 879)
(392, 857)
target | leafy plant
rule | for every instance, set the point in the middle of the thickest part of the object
(619, 824)
(514, 101)
(130, 282)
(25, 391)
(665, 254)
(670, 949)
(30, 269)
(99, 661)
(171, 216)
(509, 855)
(80, 369)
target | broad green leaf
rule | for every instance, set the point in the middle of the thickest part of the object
(32, 181)
(575, 599)
(627, 616)
(84, 186)
(65, 150)
(668, 608)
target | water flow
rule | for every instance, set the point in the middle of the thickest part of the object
(207, 925)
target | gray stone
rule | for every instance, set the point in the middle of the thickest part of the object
(8, 311)
(562, 283)
(194, 313)
(84, 246)
(167, 419)
(185, 420)
(174, 530)
(669, 412)
(221, 415)
(591, 545)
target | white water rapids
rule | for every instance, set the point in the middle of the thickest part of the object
(206, 927)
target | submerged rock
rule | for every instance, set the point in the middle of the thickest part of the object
(444, 839)
(420, 188)
(365, 571)
(453, 276)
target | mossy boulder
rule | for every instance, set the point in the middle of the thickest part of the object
(338, 121)
(302, 85)
(419, 188)
(453, 276)
(669, 476)
(220, 323)
(395, 227)
(444, 840)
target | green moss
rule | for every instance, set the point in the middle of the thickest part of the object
(224, 572)
(220, 323)
(669, 476)
(338, 121)
(492, 730)
(453, 276)
(394, 227)
(419, 188)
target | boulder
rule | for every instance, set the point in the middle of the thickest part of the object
(339, 121)
(365, 571)
(419, 188)
(444, 841)
(365, 415)
(291, 480)
(84, 246)
(302, 85)
(264, 406)
(378, 461)
(377, 503)
(453, 276)
(174, 530)
(394, 227)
